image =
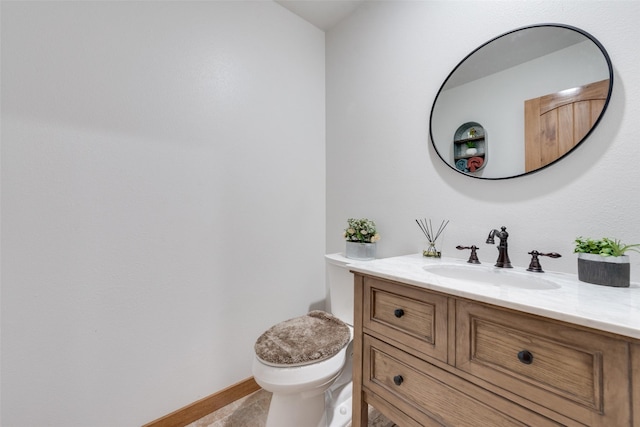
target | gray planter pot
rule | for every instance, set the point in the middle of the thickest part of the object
(607, 271)
(361, 251)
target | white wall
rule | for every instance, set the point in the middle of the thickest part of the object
(385, 65)
(163, 194)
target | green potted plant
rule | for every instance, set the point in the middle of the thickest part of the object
(361, 236)
(471, 148)
(603, 261)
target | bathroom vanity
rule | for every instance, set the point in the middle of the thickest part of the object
(446, 343)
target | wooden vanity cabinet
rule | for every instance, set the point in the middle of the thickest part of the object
(425, 358)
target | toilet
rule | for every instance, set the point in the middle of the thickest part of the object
(306, 362)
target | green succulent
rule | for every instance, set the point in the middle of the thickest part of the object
(603, 247)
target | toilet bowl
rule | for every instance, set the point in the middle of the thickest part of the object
(301, 395)
(311, 381)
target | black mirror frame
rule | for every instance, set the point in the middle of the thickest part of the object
(595, 124)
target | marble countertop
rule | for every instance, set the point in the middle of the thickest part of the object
(610, 309)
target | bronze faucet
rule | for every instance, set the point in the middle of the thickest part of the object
(503, 256)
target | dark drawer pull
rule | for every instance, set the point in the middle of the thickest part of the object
(398, 379)
(525, 357)
(398, 312)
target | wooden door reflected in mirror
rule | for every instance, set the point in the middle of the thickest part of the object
(555, 123)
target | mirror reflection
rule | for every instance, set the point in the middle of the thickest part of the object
(521, 101)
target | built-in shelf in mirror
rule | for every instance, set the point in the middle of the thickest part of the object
(470, 148)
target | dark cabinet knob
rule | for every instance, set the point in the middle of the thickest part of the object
(398, 379)
(525, 357)
(398, 312)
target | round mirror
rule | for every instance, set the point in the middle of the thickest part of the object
(521, 101)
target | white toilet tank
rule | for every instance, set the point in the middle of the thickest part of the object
(340, 284)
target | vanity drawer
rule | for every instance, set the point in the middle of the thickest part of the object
(413, 317)
(435, 397)
(569, 370)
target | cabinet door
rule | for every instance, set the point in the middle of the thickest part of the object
(572, 371)
(414, 318)
(635, 382)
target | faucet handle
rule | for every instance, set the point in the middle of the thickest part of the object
(473, 258)
(535, 262)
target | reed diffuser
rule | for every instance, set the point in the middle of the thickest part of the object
(427, 229)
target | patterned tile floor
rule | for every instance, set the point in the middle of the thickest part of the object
(251, 411)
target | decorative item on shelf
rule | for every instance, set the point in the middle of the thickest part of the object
(461, 165)
(603, 261)
(361, 237)
(427, 229)
(474, 163)
(472, 133)
(471, 146)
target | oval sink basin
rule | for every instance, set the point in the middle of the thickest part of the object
(492, 276)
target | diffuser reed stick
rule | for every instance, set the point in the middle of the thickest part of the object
(427, 228)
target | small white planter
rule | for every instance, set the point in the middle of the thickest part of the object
(603, 270)
(361, 251)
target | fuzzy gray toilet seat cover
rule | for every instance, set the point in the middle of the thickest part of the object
(303, 340)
